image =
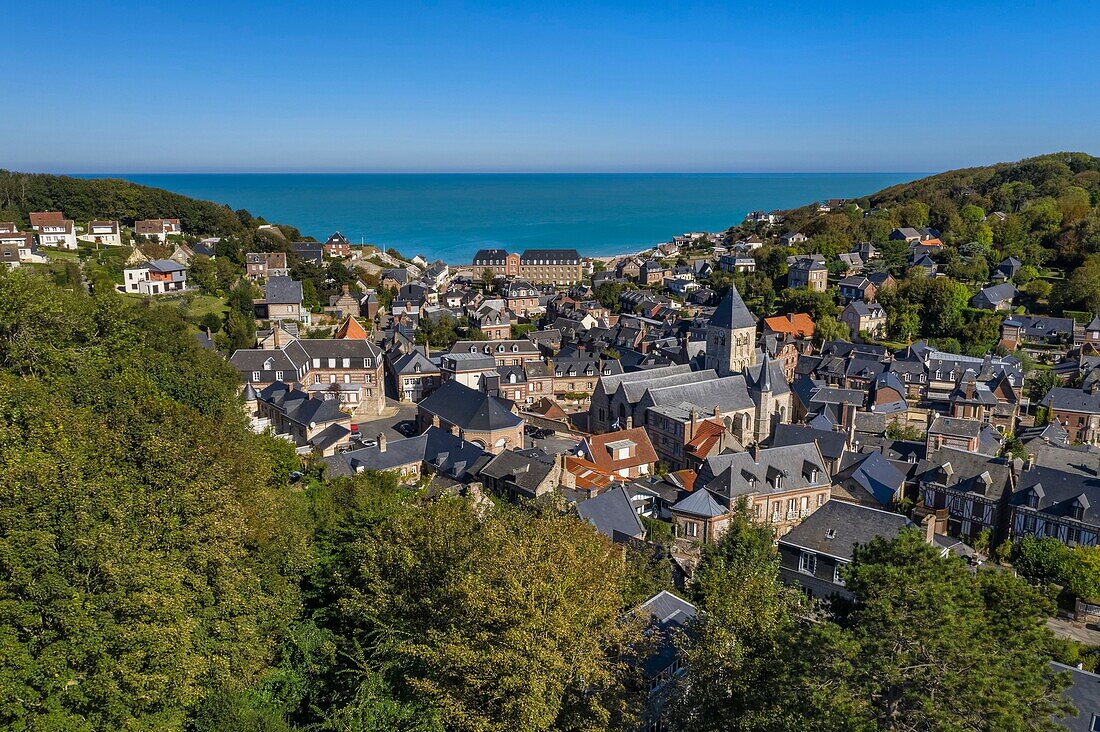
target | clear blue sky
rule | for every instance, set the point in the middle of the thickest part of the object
(544, 85)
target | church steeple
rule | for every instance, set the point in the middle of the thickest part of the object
(731, 336)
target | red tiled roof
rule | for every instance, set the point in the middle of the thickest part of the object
(799, 325)
(644, 454)
(47, 218)
(588, 475)
(706, 437)
(352, 330)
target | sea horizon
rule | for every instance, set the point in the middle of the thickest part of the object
(450, 215)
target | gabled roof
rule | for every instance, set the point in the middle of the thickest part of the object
(519, 471)
(612, 514)
(838, 527)
(470, 409)
(799, 325)
(830, 442)
(876, 475)
(283, 290)
(437, 447)
(351, 328)
(999, 293)
(1059, 491)
(602, 446)
(408, 363)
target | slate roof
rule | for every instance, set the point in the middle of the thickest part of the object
(445, 452)
(998, 293)
(612, 514)
(611, 383)
(728, 394)
(1084, 693)
(875, 475)
(1041, 327)
(830, 442)
(735, 474)
(967, 471)
(299, 407)
(470, 409)
(309, 250)
(867, 309)
(838, 527)
(668, 614)
(484, 256)
(1072, 400)
(1059, 488)
(283, 290)
(407, 364)
(519, 471)
(732, 312)
(700, 503)
(955, 427)
(634, 389)
(556, 256)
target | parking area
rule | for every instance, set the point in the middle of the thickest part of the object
(394, 424)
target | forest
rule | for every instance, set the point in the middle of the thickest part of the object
(1043, 211)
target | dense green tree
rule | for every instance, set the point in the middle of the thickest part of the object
(141, 522)
(902, 655)
(734, 654)
(505, 620)
(805, 300)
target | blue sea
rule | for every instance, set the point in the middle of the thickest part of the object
(451, 216)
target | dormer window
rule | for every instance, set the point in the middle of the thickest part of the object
(416, 368)
(1034, 495)
(1080, 505)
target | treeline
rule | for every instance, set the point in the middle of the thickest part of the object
(87, 199)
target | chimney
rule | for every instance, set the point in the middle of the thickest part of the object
(630, 423)
(930, 528)
(381, 442)
(347, 290)
(970, 388)
(276, 335)
(435, 420)
(694, 416)
(756, 452)
(1030, 462)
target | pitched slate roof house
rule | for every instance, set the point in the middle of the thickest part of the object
(484, 420)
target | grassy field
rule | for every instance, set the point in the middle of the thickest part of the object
(199, 306)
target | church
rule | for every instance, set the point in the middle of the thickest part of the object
(731, 336)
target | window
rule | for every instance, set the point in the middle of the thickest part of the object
(278, 376)
(691, 529)
(807, 563)
(837, 579)
(255, 375)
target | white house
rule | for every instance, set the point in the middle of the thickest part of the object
(103, 233)
(155, 277)
(53, 229)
